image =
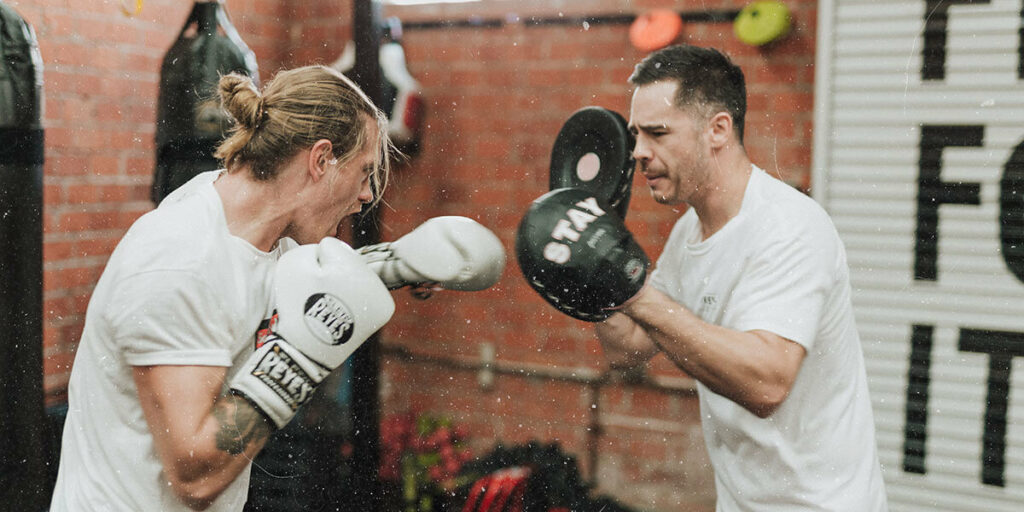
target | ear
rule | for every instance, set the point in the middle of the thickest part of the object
(319, 156)
(720, 129)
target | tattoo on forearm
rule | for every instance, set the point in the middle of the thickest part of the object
(240, 424)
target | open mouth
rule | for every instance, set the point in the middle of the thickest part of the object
(342, 228)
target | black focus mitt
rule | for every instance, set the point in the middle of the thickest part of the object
(576, 252)
(593, 151)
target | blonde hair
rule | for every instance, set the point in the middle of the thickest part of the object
(295, 109)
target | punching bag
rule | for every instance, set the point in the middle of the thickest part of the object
(23, 480)
(190, 122)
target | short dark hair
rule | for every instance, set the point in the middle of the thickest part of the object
(707, 80)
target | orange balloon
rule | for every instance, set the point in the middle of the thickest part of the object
(655, 30)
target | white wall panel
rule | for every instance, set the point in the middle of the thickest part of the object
(873, 103)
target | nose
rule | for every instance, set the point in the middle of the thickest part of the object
(641, 150)
(365, 193)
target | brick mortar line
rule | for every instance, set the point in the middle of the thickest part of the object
(80, 236)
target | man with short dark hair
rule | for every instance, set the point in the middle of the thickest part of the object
(750, 297)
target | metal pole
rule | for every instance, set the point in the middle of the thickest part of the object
(366, 489)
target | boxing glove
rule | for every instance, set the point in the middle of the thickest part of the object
(456, 253)
(576, 252)
(328, 303)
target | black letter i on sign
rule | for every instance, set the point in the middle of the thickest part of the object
(915, 428)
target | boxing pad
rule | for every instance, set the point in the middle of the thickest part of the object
(576, 252)
(593, 152)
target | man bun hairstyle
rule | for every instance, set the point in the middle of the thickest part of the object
(708, 80)
(241, 100)
(294, 110)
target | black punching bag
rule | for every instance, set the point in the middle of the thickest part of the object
(190, 122)
(22, 423)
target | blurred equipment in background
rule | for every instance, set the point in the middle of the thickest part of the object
(655, 30)
(131, 7)
(347, 59)
(533, 477)
(594, 152)
(190, 122)
(23, 451)
(402, 95)
(762, 22)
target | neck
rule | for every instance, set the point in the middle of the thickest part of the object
(721, 196)
(255, 210)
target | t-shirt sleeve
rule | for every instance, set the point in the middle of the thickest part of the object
(666, 267)
(169, 317)
(658, 277)
(784, 291)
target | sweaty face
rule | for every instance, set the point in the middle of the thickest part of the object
(671, 150)
(349, 184)
(340, 192)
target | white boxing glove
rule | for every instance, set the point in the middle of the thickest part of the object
(456, 253)
(328, 303)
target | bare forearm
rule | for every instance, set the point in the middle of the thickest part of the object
(754, 369)
(228, 439)
(625, 344)
(238, 427)
(204, 439)
(721, 359)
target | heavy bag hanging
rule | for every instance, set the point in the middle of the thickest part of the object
(22, 427)
(190, 122)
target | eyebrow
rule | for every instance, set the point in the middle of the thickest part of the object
(647, 127)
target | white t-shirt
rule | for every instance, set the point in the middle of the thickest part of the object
(780, 266)
(179, 289)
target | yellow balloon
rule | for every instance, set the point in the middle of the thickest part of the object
(762, 22)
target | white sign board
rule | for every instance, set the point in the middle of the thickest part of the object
(919, 158)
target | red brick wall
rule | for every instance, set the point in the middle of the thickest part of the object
(496, 99)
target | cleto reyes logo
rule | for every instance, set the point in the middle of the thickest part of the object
(279, 372)
(575, 222)
(329, 318)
